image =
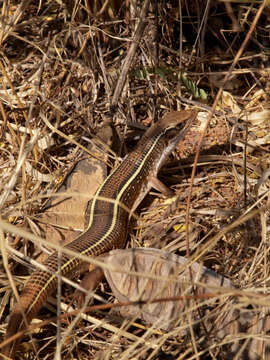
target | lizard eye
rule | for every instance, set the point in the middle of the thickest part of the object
(171, 133)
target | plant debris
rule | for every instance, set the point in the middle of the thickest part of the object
(72, 68)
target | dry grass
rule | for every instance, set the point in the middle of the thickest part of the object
(67, 69)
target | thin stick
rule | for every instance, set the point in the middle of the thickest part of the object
(130, 55)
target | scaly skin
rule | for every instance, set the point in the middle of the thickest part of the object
(108, 221)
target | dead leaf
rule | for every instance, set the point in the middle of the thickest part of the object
(66, 215)
(174, 281)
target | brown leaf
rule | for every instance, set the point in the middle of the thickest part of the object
(67, 213)
(174, 281)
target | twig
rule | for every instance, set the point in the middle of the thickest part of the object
(130, 55)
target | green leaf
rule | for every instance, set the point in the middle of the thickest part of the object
(193, 88)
